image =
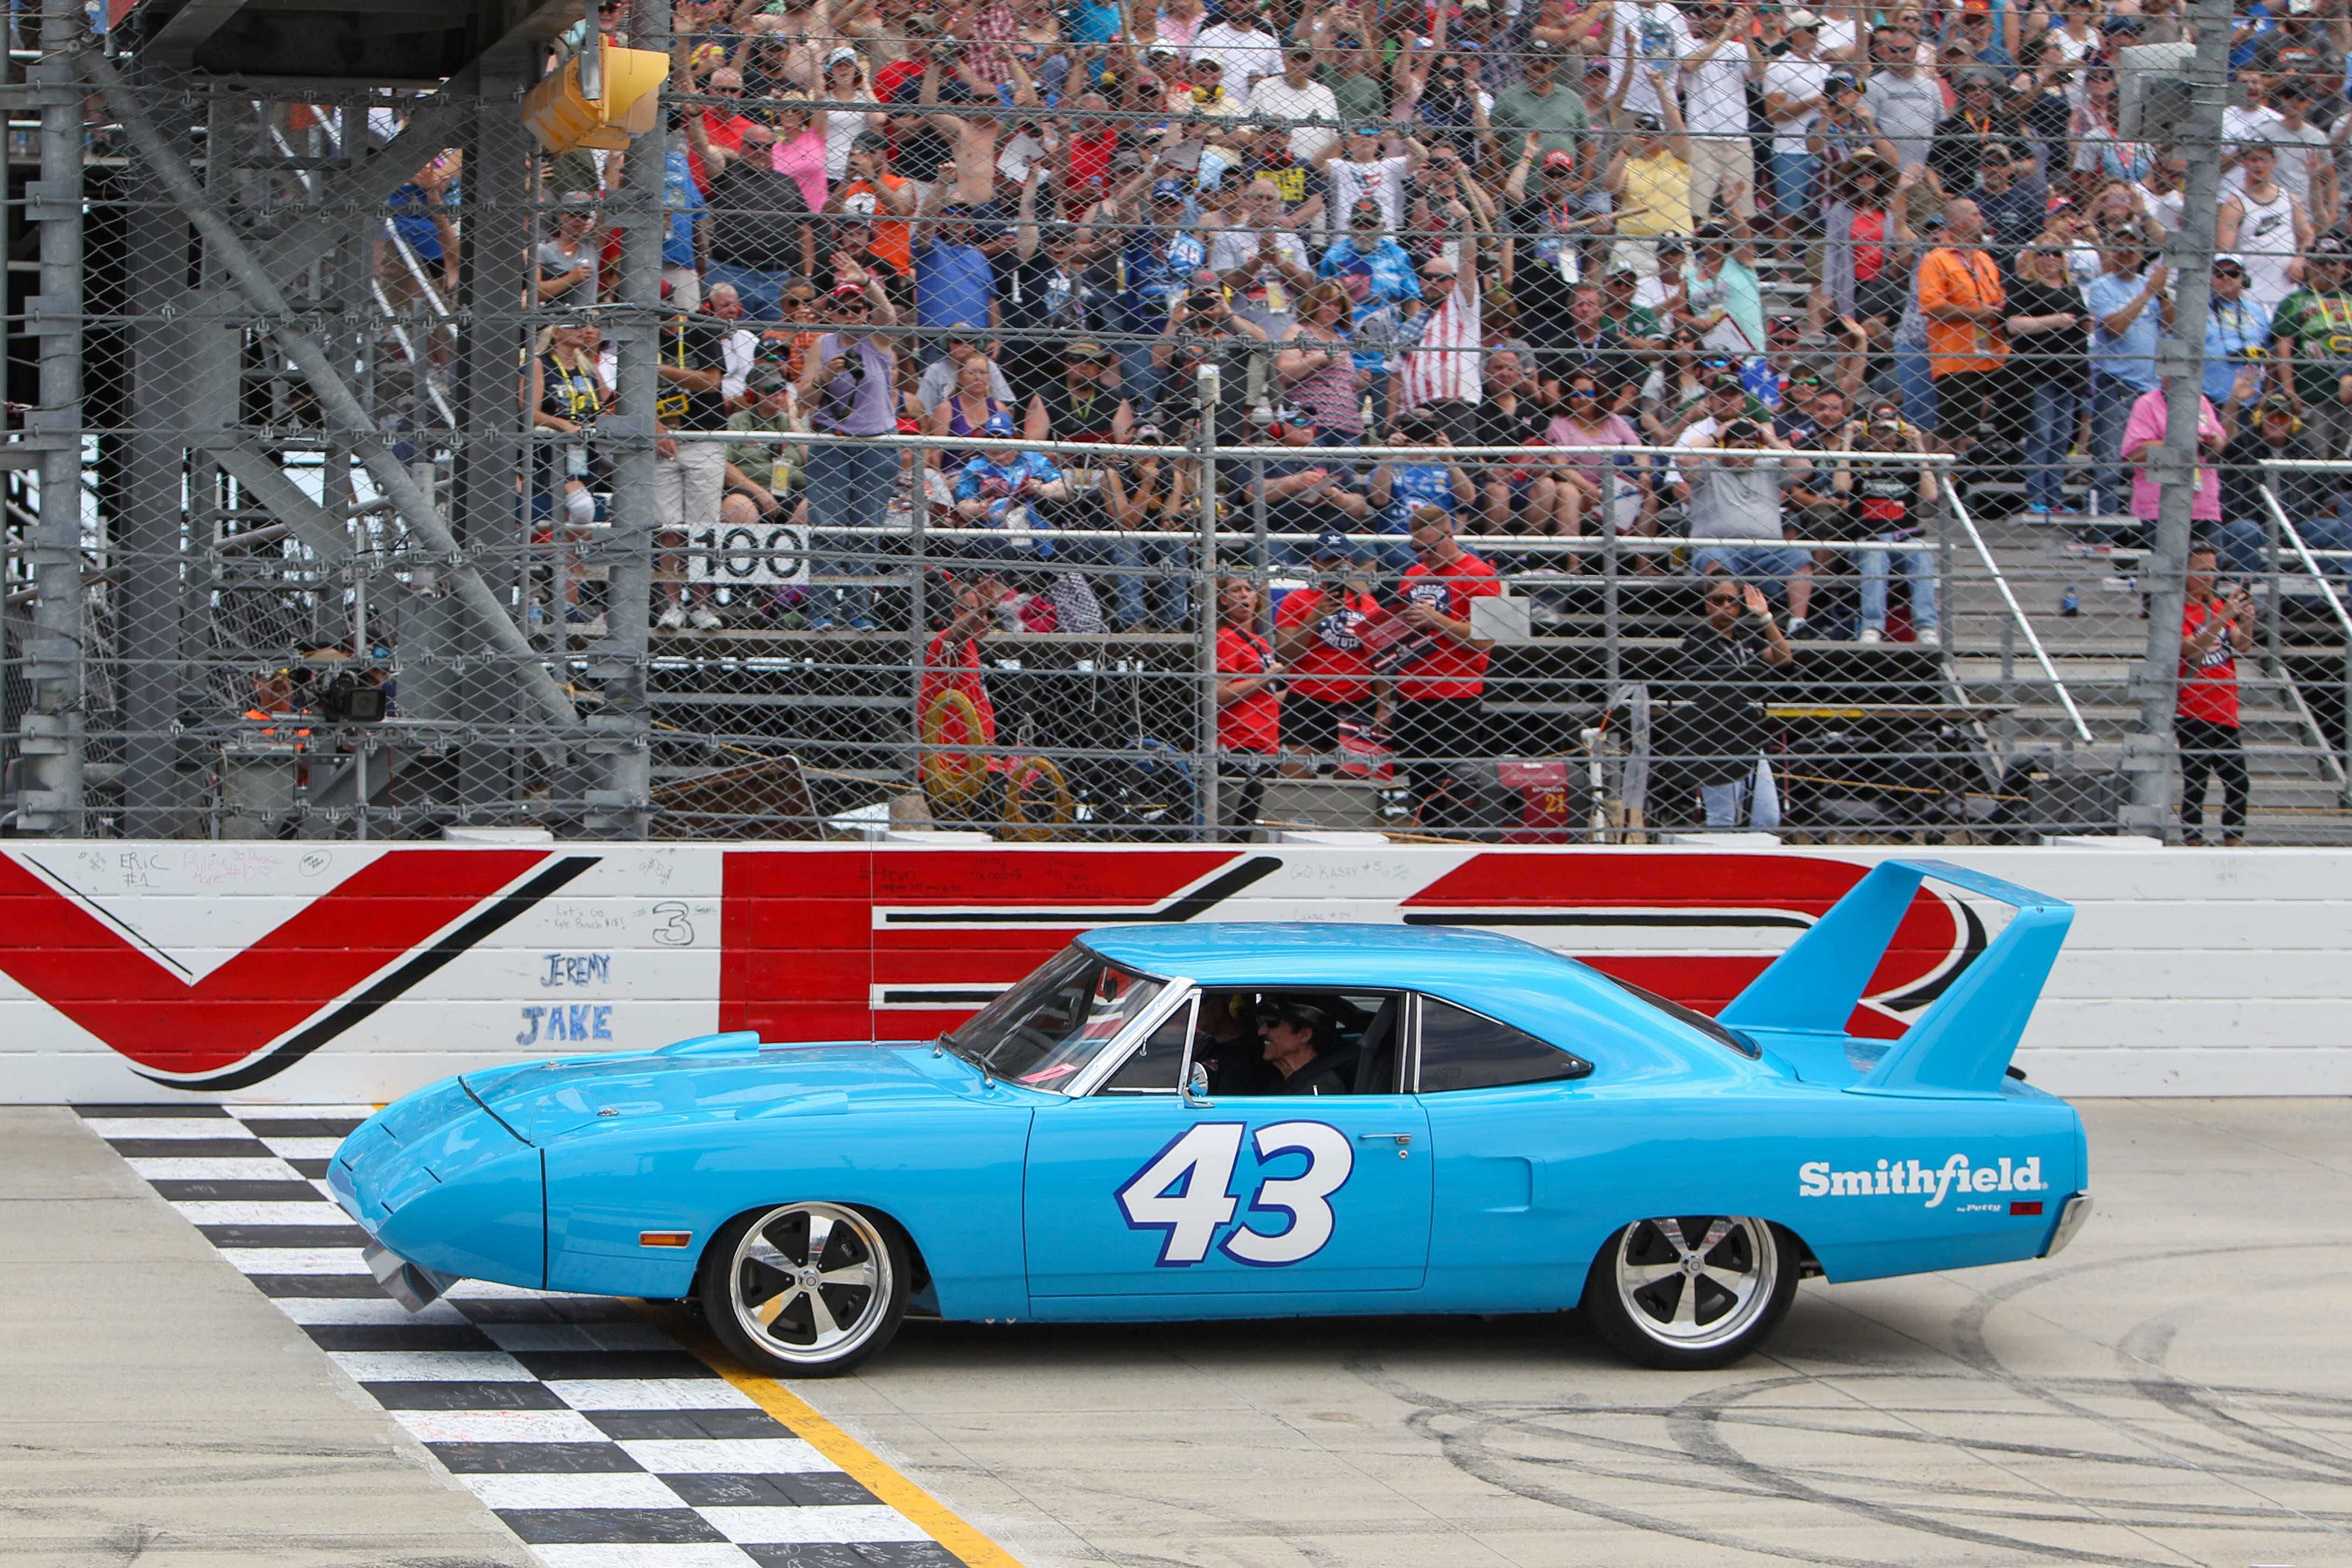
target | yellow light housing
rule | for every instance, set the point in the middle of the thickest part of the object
(665, 1238)
(563, 115)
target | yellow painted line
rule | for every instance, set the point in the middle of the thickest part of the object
(942, 1523)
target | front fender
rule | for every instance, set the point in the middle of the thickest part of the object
(948, 1171)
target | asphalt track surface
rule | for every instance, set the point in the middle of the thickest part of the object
(2176, 1388)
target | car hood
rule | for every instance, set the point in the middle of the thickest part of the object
(716, 1079)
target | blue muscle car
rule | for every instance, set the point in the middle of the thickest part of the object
(1206, 1120)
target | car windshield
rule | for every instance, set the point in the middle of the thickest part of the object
(1723, 1033)
(1040, 1033)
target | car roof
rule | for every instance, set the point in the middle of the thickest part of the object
(1237, 952)
(1552, 997)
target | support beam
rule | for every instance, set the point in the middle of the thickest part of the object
(146, 536)
(440, 122)
(343, 409)
(622, 808)
(2150, 760)
(176, 42)
(321, 532)
(51, 738)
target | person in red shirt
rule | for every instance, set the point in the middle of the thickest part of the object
(1440, 666)
(1319, 635)
(954, 719)
(1249, 705)
(2214, 632)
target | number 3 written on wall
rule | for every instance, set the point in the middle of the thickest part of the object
(1183, 1192)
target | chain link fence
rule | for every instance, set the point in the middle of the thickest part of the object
(1087, 471)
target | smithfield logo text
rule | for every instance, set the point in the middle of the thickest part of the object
(1908, 1178)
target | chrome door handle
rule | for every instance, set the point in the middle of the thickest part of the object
(1400, 1138)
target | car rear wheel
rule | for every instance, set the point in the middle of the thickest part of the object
(805, 1289)
(1691, 1291)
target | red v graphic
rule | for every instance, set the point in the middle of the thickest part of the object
(71, 958)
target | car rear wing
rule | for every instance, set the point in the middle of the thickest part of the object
(1959, 1048)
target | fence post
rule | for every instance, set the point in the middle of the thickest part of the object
(2149, 756)
(51, 739)
(1208, 392)
(621, 806)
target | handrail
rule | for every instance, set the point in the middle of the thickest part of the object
(2033, 638)
(1274, 453)
(376, 288)
(2310, 563)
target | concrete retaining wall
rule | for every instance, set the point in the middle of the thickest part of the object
(352, 973)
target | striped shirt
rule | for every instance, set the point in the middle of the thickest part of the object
(1330, 395)
(1449, 360)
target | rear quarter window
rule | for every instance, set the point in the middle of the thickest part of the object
(1460, 1049)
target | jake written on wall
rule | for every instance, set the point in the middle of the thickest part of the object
(1909, 1178)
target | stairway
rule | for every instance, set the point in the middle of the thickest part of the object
(2291, 755)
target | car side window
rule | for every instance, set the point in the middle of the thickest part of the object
(1153, 1068)
(1462, 1049)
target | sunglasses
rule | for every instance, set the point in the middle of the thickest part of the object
(1583, 392)
(1722, 598)
(1437, 277)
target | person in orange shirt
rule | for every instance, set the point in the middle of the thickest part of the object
(1960, 294)
(870, 191)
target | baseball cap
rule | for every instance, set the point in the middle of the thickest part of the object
(2232, 263)
(1368, 129)
(765, 380)
(859, 206)
(1668, 245)
(1559, 158)
(1725, 381)
(1799, 21)
(1540, 49)
(2330, 246)
(2277, 403)
(848, 292)
(1649, 122)
(1331, 543)
(1168, 191)
(844, 55)
(1300, 51)
(1366, 213)
(1085, 349)
(869, 142)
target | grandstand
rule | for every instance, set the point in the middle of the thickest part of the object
(924, 416)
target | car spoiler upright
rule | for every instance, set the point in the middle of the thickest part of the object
(1959, 1048)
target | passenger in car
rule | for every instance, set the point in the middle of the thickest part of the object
(1302, 1044)
(1226, 1044)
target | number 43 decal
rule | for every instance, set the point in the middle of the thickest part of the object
(1184, 1193)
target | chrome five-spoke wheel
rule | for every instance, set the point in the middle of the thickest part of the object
(1690, 1290)
(806, 1288)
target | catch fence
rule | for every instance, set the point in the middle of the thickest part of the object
(360, 486)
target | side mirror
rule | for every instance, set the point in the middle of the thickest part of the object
(1196, 1087)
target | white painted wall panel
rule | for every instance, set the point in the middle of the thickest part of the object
(310, 972)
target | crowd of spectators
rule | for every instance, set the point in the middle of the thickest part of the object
(1801, 250)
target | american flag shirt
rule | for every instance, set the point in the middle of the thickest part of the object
(1447, 357)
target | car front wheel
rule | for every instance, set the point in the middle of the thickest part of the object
(805, 1289)
(1691, 1291)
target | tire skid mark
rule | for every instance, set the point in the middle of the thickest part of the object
(1527, 1448)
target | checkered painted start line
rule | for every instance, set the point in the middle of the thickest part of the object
(587, 1430)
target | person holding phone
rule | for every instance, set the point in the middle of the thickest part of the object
(1319, 635)
(1249, 706)
(2214, 630)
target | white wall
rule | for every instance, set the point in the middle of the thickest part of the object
(350, 972)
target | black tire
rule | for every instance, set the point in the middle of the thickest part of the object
(1646, 1300)
(862, 1268)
